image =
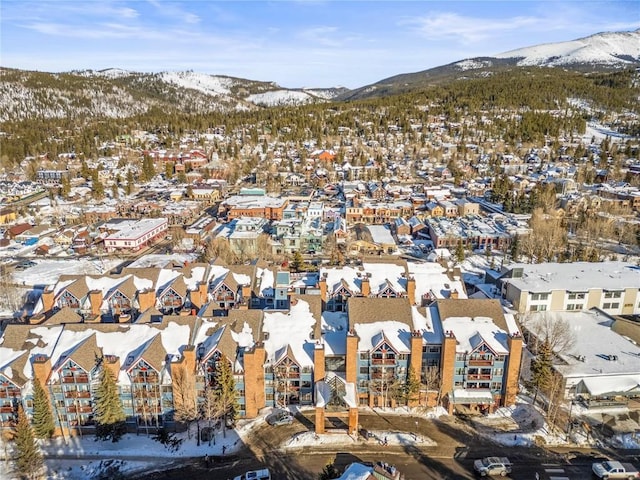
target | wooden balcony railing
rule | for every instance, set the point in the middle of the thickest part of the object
(479, 376)
(6, 409)
(75, 379)
(80, 409)
(383, 361)
(480, 362)
(77, 394)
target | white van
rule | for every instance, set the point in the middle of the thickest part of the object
(255, 475)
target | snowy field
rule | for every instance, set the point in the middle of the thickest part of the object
(47, 272)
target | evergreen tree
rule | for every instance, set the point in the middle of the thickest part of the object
(130, 183)
(148, 168)
(541, 370)
(98, 187)
(43, 424)
(224, 392)
(412, 386)
(459, 252)
(297, 262)
(329, 472)
(28, 459)
(109, 414)
(65, 187)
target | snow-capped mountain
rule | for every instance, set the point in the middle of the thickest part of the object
(118, 93)
(607, 49)
(602, 51)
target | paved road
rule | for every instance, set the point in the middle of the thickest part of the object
(451, 459)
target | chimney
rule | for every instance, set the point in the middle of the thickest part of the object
(95, 298)
(41, 368)
(322, 283)
(48, 298)
(146, 299)
(112, 362)
(189, 358)
(365, 287)
(454, 294)
(411, 290)
(246, 292)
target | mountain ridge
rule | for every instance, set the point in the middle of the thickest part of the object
(118, 93)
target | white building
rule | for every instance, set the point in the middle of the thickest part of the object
(134, 234)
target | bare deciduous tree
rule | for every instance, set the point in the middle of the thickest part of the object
(550, 329)
(184, 395)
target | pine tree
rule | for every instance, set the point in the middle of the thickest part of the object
(459, 252)
(541, 370)
(43, 424)
(28, 459)
(130, 183)
(412, 386)
(297, 262)
(224, 392)
(109, 414)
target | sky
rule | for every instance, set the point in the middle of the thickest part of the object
(304, 43)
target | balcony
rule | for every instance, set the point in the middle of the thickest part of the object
(8, 409)
(288, 375)
(75, 379)
(77, 394)
(383, 361)
(80, 409)
(146, 379)
(477, 362)
(479, 376)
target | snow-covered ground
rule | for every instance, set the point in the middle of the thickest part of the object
(47, 272)
(82, 458)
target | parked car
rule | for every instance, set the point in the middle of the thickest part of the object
(611, 470)
(493, 466)
(25, 264)
(280, 418)
(263, 474)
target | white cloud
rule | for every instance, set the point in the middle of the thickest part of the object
(445, 26)
(324, 36)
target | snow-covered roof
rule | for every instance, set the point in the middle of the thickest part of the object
(470, 332)
(290, 329)
(578, 276)
(372, 334)
(433, 278)
(595, 343)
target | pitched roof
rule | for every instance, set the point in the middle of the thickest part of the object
(64, 315)
(371, 310)
(490, 308)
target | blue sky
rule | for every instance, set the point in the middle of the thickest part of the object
(300, 43)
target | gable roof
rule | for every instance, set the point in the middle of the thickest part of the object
(490, 308)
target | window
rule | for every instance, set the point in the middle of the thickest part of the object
(496, 386)
(364, 356)
(616, 294)
(610, 306)
(434, 349)
(576, 295)
(364, 370)
(537, 308)
(539, 296)
(460, 371)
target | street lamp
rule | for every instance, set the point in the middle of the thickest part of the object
(416, 434)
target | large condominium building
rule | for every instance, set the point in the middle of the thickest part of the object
(610, 286)
(336, 341)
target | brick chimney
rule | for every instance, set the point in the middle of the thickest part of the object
(365, 287)
(112, 362)
(254, 395)
(411, 290)
(454, 294)
(48, 298)
(322, 284)
(41, 368)
(146, 299)
(318, 362)
(95, 298)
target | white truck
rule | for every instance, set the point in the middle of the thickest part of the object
(263, 474)
(491, 466)
(611, 470)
